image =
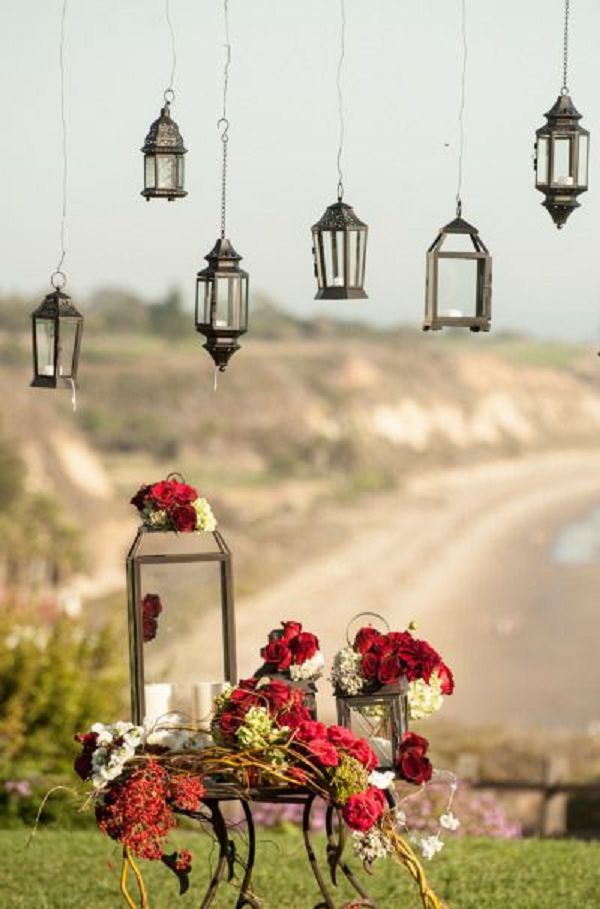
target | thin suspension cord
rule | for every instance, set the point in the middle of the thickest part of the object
(173, 48)
(63, 220)
(223, 122)
(341, 98)
(461, 110)
(565, 89)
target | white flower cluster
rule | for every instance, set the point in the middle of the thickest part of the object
(382, 779)
(310, 670)
(431, 845)
(449, 821)
(425, 699)
(346, 675)
(371, 845)
(115, 745)
(205, 519)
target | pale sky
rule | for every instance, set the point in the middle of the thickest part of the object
(401, 84)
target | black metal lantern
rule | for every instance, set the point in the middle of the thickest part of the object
(163, 157)
(380, 717)
(57, 327)
(561, 159)
(172, 578)
(459, 279)
(221, 313)
(340, 250)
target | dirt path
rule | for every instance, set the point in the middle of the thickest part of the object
(465, 553)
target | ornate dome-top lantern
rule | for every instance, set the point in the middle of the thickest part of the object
(222, 302)
(561, 151)
(340, 237)
(163, 157)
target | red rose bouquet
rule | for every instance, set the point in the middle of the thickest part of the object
(292, 652)
(173, 505)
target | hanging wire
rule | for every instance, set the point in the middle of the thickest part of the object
(565, 90)
(58, 278)
(169, 91)
(223, 122)
(340, 187)
(461, 110)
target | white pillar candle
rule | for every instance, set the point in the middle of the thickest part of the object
(158, 701)
(202, 702)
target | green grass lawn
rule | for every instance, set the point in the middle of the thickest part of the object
(79, 870)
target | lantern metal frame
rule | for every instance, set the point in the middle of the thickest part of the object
(222, 329)
(393, 698)
(561, 190)
(221, 555)
(340, 271)
(481, 320)
(164, 141)
(57, 309)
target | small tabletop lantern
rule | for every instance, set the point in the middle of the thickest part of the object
(163, 157)
(293, 656)
(221, 313)
(381, 717)
(57, 327)
(340, 249)
(561, 159)
(179, 574)
(459, 279)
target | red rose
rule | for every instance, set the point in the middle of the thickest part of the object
(182, 493)
(311, 729)
(139, 499)
(390, 669)
(361, 811)
(244, 700)
(229, 723)
(411, 762)
(365, 638)
(291, 630)
(277, 694)
(324, 752)
(446, 678)
(377, 797)
(152, 605)
(364, 754)
(83, 762)
(184, 517)
(370, 665)
(340, 736)
(278, 654)
(294, 717)
(304, 646)
(162, 494)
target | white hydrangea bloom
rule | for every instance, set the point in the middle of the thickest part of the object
(425, 699)
(430, 846)
(156, 519)
(449, 821)
(371, 845)
(382, 780)
(205, 518)
(346, 674)
(310, 670)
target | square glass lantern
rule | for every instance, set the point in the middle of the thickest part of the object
(340, 251)
(380, 717)
(57, 327)
(459, 280)
(181, 624)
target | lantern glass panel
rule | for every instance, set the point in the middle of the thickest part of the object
(318, 259)
(185, 573)
(67, 341)
(561, 162)
(150, 171)
(166, 171)
(228, 302)
(542, 161)
(44, 343)
(180, 171)
(457, 286)
(582, 169)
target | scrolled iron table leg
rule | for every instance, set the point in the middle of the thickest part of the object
(217, 822)
(246, 898)
(327, 902)
(335, 852)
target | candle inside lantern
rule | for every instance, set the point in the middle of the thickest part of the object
(158, 701)
(220, 323)
(338, 281)
(565, 181)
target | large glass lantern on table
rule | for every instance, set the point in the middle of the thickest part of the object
(181, 619)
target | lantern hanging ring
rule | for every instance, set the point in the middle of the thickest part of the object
(224, 129)
(175, 475)
(58, 279)
(169, 95)
(359, 615)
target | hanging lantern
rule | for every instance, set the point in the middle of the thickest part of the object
(57, 327)
(222, 302)
(561, 159)
(340, 249)
(459, 279)
(163, 157)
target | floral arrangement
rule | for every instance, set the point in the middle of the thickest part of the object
(151, 609)
(293, 652)
(173, 505)
(376, 659)
(263, 736)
